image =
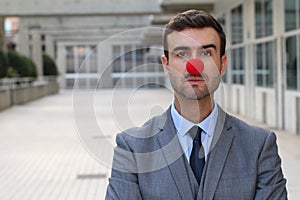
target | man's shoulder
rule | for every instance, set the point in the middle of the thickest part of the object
(148, 130)
(242, 128)
(144, 138)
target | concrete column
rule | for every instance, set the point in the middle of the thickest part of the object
(278, 29)
(249, 37)
(50, 46)
(104, 58)
(87, 65)
(37, 51)
(23, 40)
(61, 64)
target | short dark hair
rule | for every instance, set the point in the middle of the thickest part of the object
(193, 19)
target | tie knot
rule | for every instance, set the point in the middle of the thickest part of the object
(195, 133)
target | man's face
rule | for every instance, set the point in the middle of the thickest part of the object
(203, 44)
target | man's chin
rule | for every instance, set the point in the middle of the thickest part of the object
(197, 95)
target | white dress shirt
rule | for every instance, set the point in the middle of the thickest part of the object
(183, 125)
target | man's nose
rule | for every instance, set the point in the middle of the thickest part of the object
(194, 66)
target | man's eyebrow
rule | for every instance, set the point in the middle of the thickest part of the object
(188, 48)
(209, 46)
(181, 48)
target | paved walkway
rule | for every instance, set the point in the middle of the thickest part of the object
(45, 154)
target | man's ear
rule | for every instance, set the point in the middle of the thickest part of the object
(223, 65)
(165, 63)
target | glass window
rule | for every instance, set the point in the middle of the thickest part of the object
(80, 55)
(269, 17)
(237, 25)
(298, 12)
(139, 56)
(292, 14)
(116, 65)
(70, 60)
(270, 63)
(265, 64)
(263, 18)
(292, 60)
(222, 21)
(238, 63)
(92, 56)
(259, 65)
(128, 57)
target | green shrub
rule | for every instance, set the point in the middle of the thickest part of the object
(49, 66)
(31, 66)
(3, 64)
(23, 66)
(11, 73)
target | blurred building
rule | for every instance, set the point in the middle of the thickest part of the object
(106, 44)
(11, 28)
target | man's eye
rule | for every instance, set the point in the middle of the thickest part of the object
(205, 53)
(182, 54)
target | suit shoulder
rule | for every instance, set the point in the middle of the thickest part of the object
(241, 128)
(144, 133)
(252, 138)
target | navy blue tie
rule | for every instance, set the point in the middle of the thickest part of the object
(197, 159)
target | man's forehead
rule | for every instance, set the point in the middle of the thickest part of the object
(194, 38)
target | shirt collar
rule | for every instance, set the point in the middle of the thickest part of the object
(183, 125)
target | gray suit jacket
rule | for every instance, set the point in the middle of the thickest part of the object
(243, 164)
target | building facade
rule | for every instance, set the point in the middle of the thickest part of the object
(262, 80)
(118, 44)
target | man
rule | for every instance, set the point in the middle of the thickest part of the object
(195, 150)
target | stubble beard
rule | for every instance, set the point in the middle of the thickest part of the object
(196, 92)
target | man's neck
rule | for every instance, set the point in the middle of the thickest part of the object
(194, 110)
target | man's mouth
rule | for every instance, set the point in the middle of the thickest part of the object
(194, 79)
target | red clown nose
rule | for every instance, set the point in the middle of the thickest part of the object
(194, 66)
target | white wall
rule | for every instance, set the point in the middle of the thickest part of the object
(238, 99)
(77, 7)
(290, 112)
(265, 106)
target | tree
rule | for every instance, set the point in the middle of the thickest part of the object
(22, 65)
(49, 66)
(3, 64)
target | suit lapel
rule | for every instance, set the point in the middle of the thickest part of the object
(174, 156)
(219, 150)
